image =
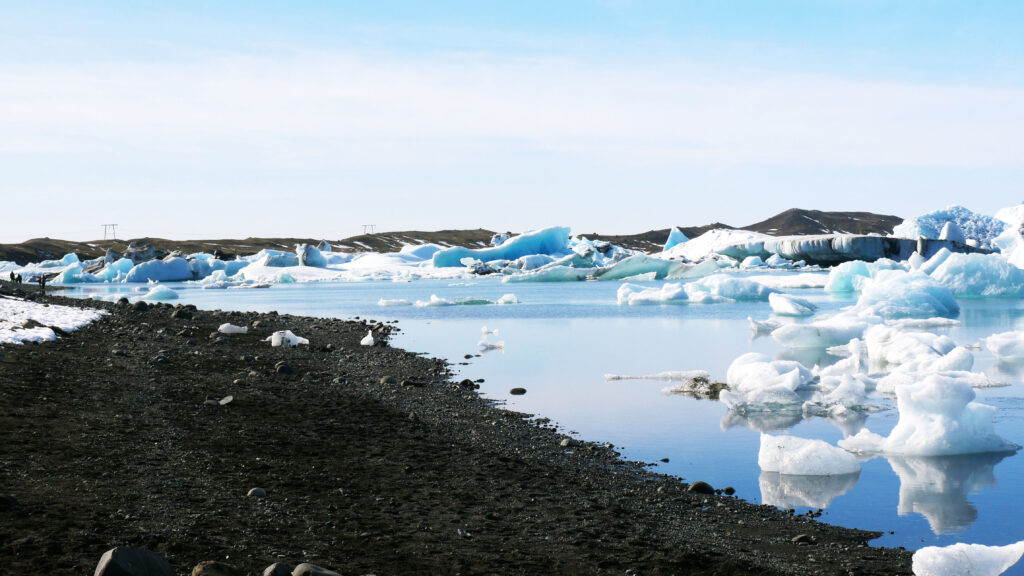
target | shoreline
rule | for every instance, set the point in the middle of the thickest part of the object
(373, 461)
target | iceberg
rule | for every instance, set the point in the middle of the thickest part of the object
(675, 237)
(937, 417)
(160, 292)
(1006, 345)
(899, 294)
(786, 305)
(507, 299)
(310, 256)
(835, 331)
(734, 243)
(554, 241)
(421, 251)
(980, 275)
(800, 456)
(972, 225)
(170, 269)
(758, 383)
(966, 559)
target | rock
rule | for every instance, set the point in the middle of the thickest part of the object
(469, 384)
(257, 493)
(140, 306)
(278, 569)
(214, 568)
(307, 569)
(665, 460)
(283, 367)
(415, 383)
(126, 561)
(212, 401)
(182, 314)
(804, 539)
(565, 443)
(389, 380)
(729, 491)
(517, 391)
(701, 487)
(8, 502)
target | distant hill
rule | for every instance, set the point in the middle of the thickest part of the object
(791, 222)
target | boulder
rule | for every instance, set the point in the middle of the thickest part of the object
(127, 561)
(278, 569)
(214, 568)
(307, 569)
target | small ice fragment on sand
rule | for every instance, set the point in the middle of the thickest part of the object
(368, 339)
(228, 328)
(285, 338)
(961, 559)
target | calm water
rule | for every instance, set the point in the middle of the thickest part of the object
(562, 338)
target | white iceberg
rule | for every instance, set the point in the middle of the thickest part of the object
(937, 416)
(160, 292)
(786, 305)
(894, 294)
(966, 559)
(170, 269)
(973, 225)
(1006, 345)
(980, 275)
(804, 457)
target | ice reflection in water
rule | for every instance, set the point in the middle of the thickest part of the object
(937, 487)
(792, 491)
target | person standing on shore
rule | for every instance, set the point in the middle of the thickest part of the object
(12, 275)
(42, 283)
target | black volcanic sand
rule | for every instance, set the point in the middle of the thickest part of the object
(106, 440)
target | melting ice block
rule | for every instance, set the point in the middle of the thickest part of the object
(937, 416)
(160, 292)
(980, 275)
(554, 240)
(368, 339)
(966, 559)
(285, 338)
(804, 457)
(1006, 345)
(786, 305)
(228, 328)
(901, 294)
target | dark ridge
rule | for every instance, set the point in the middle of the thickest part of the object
(796, 221)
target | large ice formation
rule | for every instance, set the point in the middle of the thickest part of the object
(554, 240)
(170, 269)
(979, 227)
(758, 383)
(937, 416)
(675, 237)
(804, 457)
(962, 559)
(786, 305)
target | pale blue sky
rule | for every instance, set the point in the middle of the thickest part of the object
(201, 119)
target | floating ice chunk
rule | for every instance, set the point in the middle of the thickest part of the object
(923, 323)
(675, 237)
(170, 269)
(229, 328)
(788, 491)
(804, 457)
(966, 559)
(552, 274)
(160, 292)
(786, 305)
(1006, 345)
(754, 371)
(640, 264)
(790, 281)
(824, 333)
(953, 233)
(937, 416)
(507, 299)
(310, 256)
(845, 390)
(674, 376)
(285, 338)
(422, 251)
(735, 243)
(368, 339)
(763, 326)
(752, 262)
(980, 275)
(972, 225)
(275, 258)
(437, 301)
(721, 287)
(632, 294)
(913, 351)
(848, 277)
(393, 302)
(485, 331)
(898, 294)
(553, 240)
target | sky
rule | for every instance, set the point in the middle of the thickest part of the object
(195, 119)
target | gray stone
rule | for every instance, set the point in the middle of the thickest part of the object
(307, 569)
(278, 569)
(803, 539)
(140, 306)
(257, 493)
(126, 561)
(565, 443)
(8, 502)
(283, 367)
(389, 380)
(214, 568)
(701, 487)
(517, 391)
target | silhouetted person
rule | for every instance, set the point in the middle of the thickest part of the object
(18, 278)
(42, 283)
(12, 275)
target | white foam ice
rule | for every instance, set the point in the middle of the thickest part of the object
(962, 559)
(804, 457)
(786, 305)
(979, 227)
(26, 321)
(937, 416)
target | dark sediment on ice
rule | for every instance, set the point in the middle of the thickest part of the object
(372, 460)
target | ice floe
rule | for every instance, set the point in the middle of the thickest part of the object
(786, 305)
(962, 559)
(804, 457)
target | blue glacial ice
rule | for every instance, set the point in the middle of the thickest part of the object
(552, 241)
(675, 237)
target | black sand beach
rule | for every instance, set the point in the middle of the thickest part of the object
(372, 459)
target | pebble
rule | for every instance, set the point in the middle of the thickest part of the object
(214, 568)
(729, 491)
(389, 380)
(415, 383)
(278, 569)
(283, 367)
(701, 487)
(126, 561)
(517, 391)
(306, 569)
(565, 443)
(257, 493)
(665, 460)
(803, 539)
(8, 502)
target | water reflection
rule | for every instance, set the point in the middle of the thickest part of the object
(762, 421)
(1008, 371)
(809, 356)
(937, 487)
(790, 491)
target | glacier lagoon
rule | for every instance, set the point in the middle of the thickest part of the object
(561, 339)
